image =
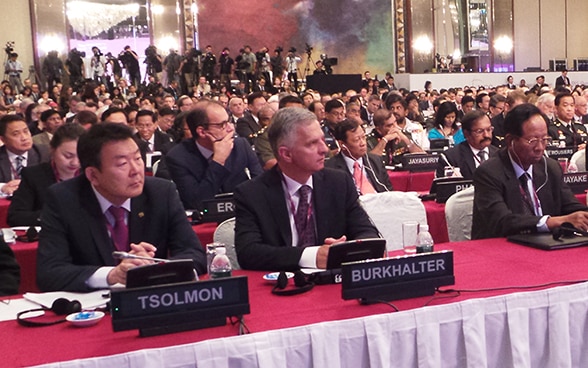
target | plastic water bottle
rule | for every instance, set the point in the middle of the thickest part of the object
(424, 240)
(220, 266)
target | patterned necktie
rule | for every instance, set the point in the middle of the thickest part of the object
(361, 182)
(482, 155)
(304, 218)
(120, 231)
(528, 207)
(19, 165)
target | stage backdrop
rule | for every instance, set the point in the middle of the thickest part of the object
(358, 33)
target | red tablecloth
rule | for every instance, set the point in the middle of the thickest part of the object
(4, 204)
(406, 181)
(490, 263)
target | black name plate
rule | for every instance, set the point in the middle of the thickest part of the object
(449, 188)
(218, 209)
(179, 307)
(564, 152)
(578, 182)
(397, 278)
(420, 162)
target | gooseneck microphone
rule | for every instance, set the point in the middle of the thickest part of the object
(126, 255)
(446, 160)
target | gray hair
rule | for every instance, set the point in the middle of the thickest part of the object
(284, 126)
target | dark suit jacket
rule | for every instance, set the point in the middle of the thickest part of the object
(27, 202)
(374, 167)
(263, 238)
(574, 134)
(74, 240)
(247, 128)
(461, 156)
(498, 206)
(498, 133)
(561, 81)
(9, 270)
(36, 155)
(198, 178)
(162, 142)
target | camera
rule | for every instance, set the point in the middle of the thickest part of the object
(9, 48)
(308, 49)
(279, 49)
(260, 55)
(292, 49)
(75, 52)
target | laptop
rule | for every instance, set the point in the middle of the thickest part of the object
(546, 241)
(438, 145)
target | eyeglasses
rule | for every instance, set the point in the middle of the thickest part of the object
(222, 125)
(482, 130)
(535, 141)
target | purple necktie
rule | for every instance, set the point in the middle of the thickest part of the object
(120, 231)
(304, 219)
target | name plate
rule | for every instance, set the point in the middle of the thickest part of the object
(448, 188)
(419, 162)
(555, 153)
(578, 182)
(397, 278)
(178, 307)
(218, 209)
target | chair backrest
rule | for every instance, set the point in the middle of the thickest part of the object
(458, 213)
(225, 233)
(389, 210)
(579, 159)
(154, 167)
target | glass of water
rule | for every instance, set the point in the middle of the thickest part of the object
(410, 231)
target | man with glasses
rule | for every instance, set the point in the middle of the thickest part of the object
(214, 161)
(468, 155)
(520, 190)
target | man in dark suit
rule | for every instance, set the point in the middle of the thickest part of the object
(520, 190)
(111, 206)
(18, 152)
(468, 155)
(248, 126)
(215, 161)
(563, 80)
(9, 270)
(290, 216)
(155, 139)
(357, 162)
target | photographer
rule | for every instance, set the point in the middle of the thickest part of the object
(154, 63)
(171, 63)
(52, 69)
(250, 60)
(277, 62)
(74, 67)
(226, 67)
(189, 69)
(292, 61)
(263, 63)
(320, 69)
(130, 61)
(98, 65)
(13, 68)
(208, 63)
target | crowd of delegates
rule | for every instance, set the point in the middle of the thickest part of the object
(264, 142)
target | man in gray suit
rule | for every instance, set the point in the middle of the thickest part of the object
(51, 120)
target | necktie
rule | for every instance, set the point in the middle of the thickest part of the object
(361, 182)
(528, 207)
(120, 231)
(482, 155)
(304, 219)
(19, 165)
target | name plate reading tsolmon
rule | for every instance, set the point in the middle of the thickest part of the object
(397, 278)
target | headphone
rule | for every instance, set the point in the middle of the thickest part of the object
(567, 230)
(60, 307)
(300, 281)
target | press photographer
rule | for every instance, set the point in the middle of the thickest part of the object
(277, 62)
(13, 67)
(74, 66)
(130, 61)
(154, 62)
(292, 61)
(208, 63)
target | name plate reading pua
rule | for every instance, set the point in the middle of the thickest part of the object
(162, 309)
(396, 278)
(419, 162)
(578, 182)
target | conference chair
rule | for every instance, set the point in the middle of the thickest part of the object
(225, 233)
(154, 167)
(458, 213)
(579, 159)
(388, 210)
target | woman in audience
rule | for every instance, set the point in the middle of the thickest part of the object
(28, 199)
(446, 126)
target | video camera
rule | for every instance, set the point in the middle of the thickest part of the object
(308, 49)
(76, 53)
(279, 49)
(9, 48)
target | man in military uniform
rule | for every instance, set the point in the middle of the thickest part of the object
(564, 128)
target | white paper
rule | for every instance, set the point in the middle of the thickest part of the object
(91, 300)
(10, 307)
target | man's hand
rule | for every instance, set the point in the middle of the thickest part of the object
(579, 219)
(10, 187)
(323, 252)
(119, 273)
(221, 148)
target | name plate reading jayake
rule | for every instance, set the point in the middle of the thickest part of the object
(178, 307)
(578, 182)
(397, 278)
(419, 162)
(564, 152)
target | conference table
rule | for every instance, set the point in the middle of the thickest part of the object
(407, 181)
(512, 306)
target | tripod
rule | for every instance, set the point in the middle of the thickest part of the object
(309, 62)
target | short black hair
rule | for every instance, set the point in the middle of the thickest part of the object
(7, 119)
(90, 144)
(45, 115)
(470, 118)
(254, 96)
(113, 110)
(393, 98)
(514, 120)
(467, 98)
(333, 104)
(66, 133)
(561, 95)
(343, 127)
(288, 99)
(145, 113)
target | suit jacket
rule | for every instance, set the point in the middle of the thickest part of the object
(198, 178)
(41, 139)
(561, 81)
(28, 199)
(374, 167)
(263, 238)
(74, 240)
(247, 128)
(9, 270)
(498, 205)
(162, 142)
(36, 155)
(574, 134)
(498, 133)
(461, 156)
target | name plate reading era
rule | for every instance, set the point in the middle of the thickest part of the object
(397, 278)
(178, 307)
(555, 153)
(218, 209)
(578, 182)
(419, 162)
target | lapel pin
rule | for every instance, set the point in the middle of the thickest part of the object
(141, 214)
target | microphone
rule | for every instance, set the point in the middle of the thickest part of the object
(446, 161)
(126, 255)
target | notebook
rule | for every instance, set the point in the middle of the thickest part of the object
(546, 241)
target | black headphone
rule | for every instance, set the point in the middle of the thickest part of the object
(567, 230)
(300, 281)
(60, 307)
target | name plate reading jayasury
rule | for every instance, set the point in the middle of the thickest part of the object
(178, 307)
(555, 153)
(419, 162)
(397, 278)
(578, 182)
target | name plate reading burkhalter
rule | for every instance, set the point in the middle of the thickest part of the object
(397, 278)
(578, 182)
(420, 162)
(178, 307)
